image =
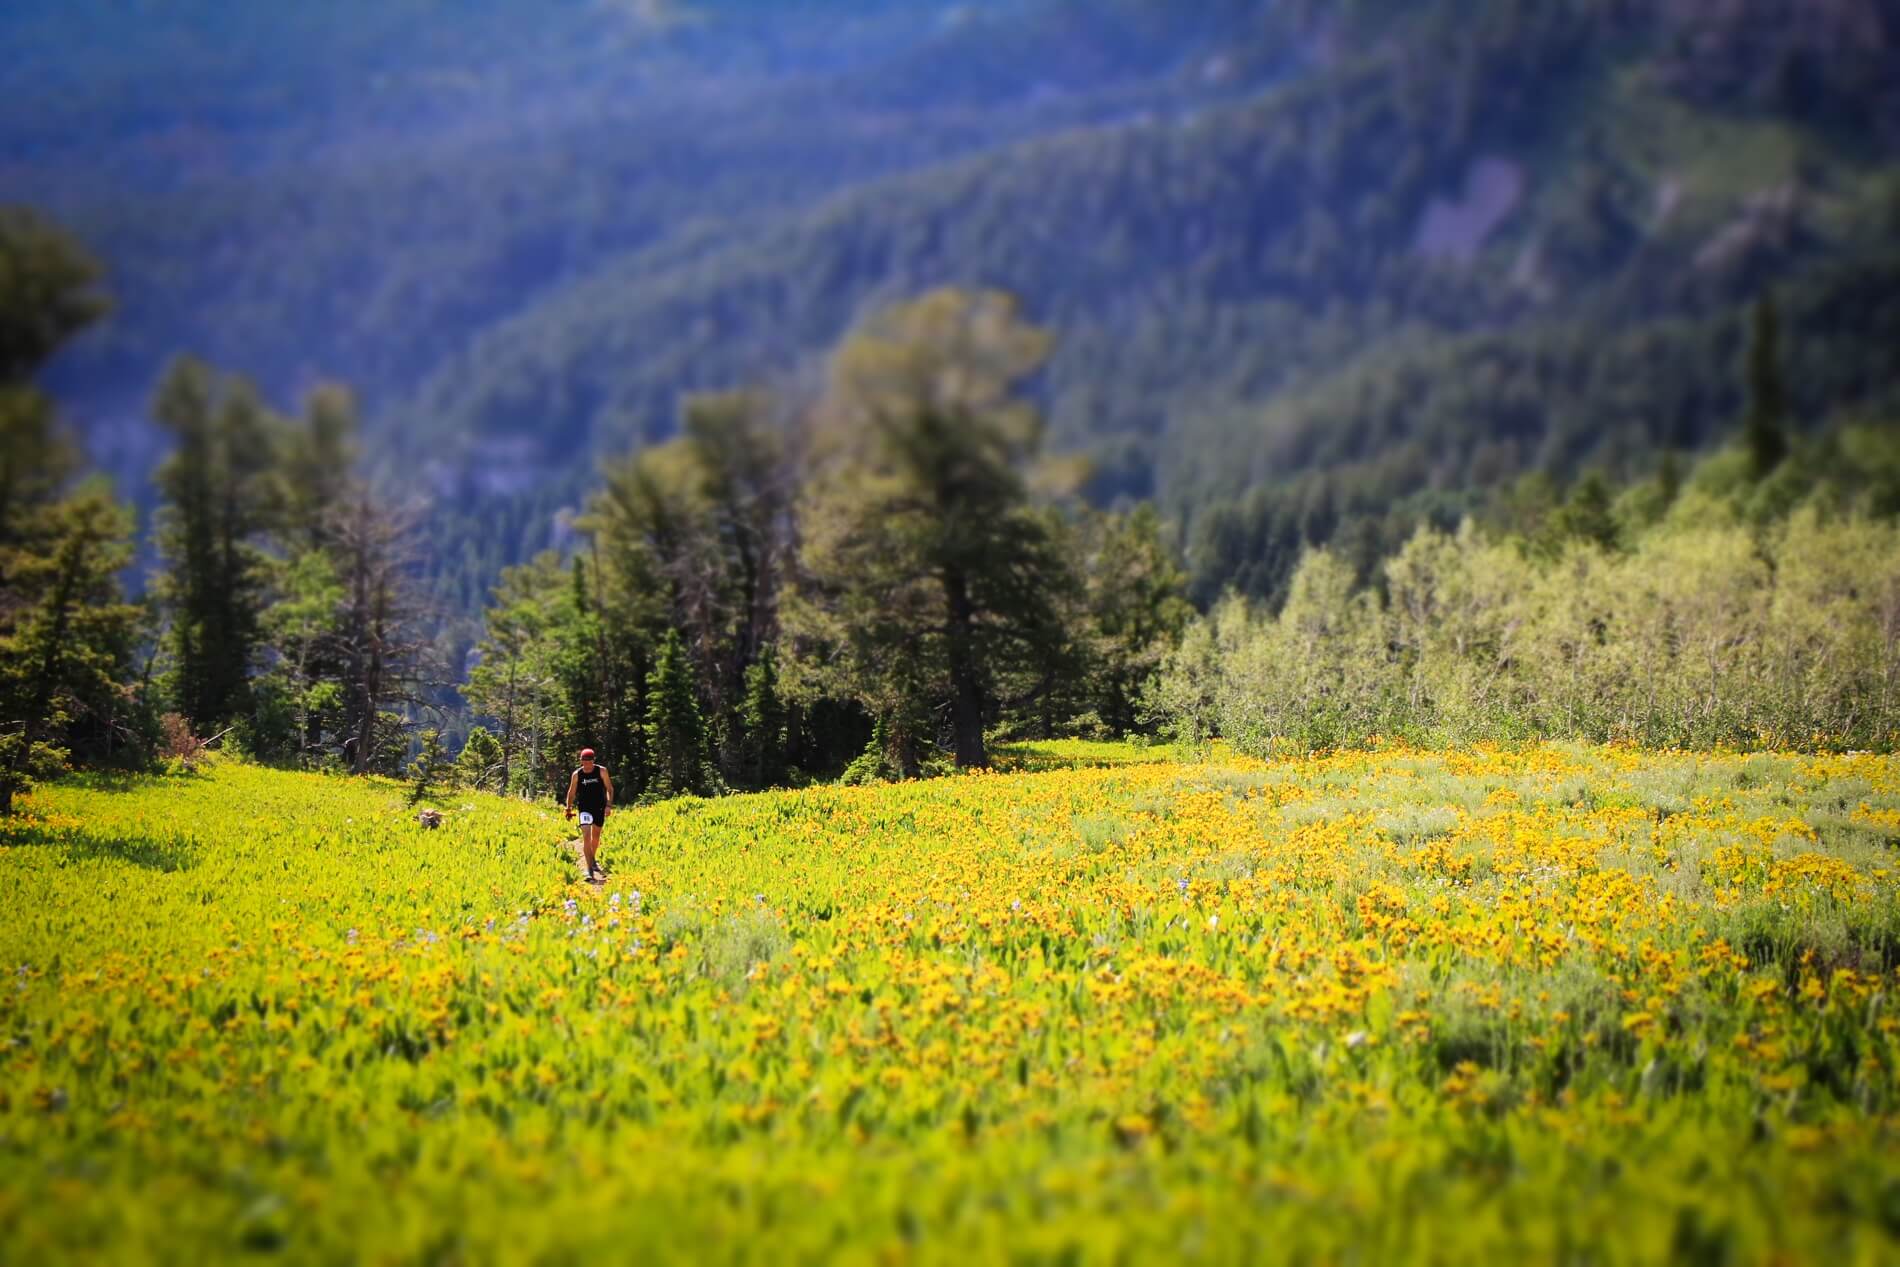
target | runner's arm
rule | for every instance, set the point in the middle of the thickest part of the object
(607, 779)
(573, 785)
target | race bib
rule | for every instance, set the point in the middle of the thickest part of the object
(587, 820)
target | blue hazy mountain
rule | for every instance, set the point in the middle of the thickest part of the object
(1310, 264)
(358, 189)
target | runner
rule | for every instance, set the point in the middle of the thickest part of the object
(591, 791)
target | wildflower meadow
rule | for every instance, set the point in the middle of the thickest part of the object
(1556, 1004)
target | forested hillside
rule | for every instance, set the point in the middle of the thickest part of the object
(1314, 271)
(356, 192)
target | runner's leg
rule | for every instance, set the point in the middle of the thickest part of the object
(590, 842)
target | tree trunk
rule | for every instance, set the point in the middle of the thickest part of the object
(373, 686)
(966, 708)
(508, 726)
(362, 692)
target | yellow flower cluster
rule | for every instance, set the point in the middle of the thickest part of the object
(1550, 1004)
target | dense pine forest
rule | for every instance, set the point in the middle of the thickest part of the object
(763, 394)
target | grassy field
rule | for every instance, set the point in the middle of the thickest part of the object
(1562, 1005)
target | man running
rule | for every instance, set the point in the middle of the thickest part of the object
(590, 791)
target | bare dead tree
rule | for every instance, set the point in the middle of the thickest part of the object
(382, 640)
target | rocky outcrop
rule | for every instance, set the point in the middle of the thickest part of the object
(1455, 230)
(1769, 224)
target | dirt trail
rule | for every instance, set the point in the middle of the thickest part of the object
(573, 847)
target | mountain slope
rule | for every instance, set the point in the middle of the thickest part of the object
(1189, 264)
(1309, 264)
(398, 185)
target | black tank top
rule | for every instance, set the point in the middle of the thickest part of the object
(590, 792)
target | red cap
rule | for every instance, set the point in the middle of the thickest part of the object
(586, 753)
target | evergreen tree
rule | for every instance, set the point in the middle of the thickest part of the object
(1586, 515)
(764, 722)
(46, 296)
(1765, 419)
(481, 764)
(577, 573)
(1669, 478)
(220, 494)
(390, 750)
(925, 579)
(431, 763)
(515, 680)
(675, 731)
(598, 675)
(65, 641)
(48, 293)
(316, 467)
(36, 461)
(66, 634)
(693, 535)
(379, 639)
(555, 674)
(299, 632)
(578, 665)
(1135, 594)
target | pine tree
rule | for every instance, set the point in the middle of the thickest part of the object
(390, 753)
(762, 715)
(1669, 478)
(926, 581)
(48, 292)
(1134, 609)
(65, 653)
(694, 535)
(66, 635)
(46, 297)
(480, 764)
(221, 496)
(299, 631)
(1764, 422)
(515, 679)
(430, 765)
(379, 640)
(577, 668)
(1585, 515)
(582, 604)
(675, 731)
(316, 467)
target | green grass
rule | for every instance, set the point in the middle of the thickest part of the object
(1077, 754)
(1561, 1004)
